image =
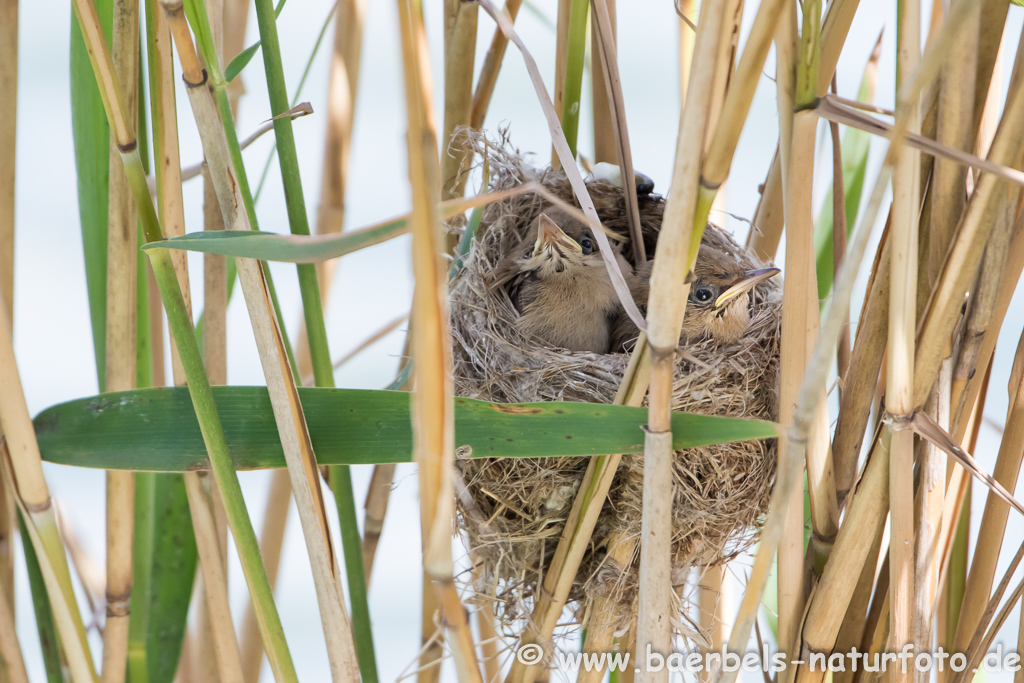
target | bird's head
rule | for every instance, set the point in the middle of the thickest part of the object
(558, 242)
(719, 303)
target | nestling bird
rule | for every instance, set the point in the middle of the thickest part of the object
(558, 282)
(719, 303)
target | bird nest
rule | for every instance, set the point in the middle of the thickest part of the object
(513, 510)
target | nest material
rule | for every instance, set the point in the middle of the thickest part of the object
(513, 510)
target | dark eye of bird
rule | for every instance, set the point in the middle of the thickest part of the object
(703, 295)
(588, 246)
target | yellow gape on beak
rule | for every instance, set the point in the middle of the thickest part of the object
(549, 234)
(750, 279)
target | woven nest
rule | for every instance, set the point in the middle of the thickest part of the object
(513, 510)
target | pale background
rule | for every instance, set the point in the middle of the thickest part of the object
(52, 335)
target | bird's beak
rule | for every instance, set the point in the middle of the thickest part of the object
(548, 233)
(750, 279)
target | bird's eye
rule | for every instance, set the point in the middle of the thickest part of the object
(703, 295)
(588, 246)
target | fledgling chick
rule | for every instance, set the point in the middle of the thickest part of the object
(719, 303)
(557, 280)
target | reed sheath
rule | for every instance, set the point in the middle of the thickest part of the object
(305, 485)
(23, 466)
(432, 407)
(178, 317)
(460, 20)
(121, 350)
(8, 143)
(666, 306)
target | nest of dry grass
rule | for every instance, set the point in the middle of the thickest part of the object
(513, 510)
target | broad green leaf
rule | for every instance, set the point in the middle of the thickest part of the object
(270, 246)
(92, 162)
(855, 147)
(240, 61)
(45, 625)
(156, 429)
(165, 568)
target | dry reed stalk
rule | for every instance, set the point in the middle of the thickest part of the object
(489, 639)
(432, 409)
(831, 597)
(954, 127)
(91, 575)
(156, 328)
(816, 376)
(851, 633)
(228, 662)
(281, 385)
(954, 575)
(215, 295)
(460, 19)
(900, 368)
(275, 521)
(579, 526)
(860, 380)
(990, 40)
(342, 86)
(977, 383)
(432, 638)
(8, 142)
(236, 17)
(763, 239)
(711, 598)
(604, 28)
(217, 649)
(377, 495)
(12, 665)
(929, 512)
(688, 9)
(731, 113)
(215, 278)
(603, 619)
(740, 93)
(604, 136)
(839, 228)
(798, 320)
(121, 353)
(725, 63)
(994, 519)
(666, 307)
(490, 68)
(215, 303)
(966, 253)
(24, 469)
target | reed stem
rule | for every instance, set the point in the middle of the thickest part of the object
(432, 406)
(8, 143)
(23, 466)
(181, 328)
(666, 306)
(121, 330)
(323, 372)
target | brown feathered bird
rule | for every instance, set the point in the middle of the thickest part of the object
(719, 303)
(558, 282)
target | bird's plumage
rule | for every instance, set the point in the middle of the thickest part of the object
(558, 282)
(718, 307)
